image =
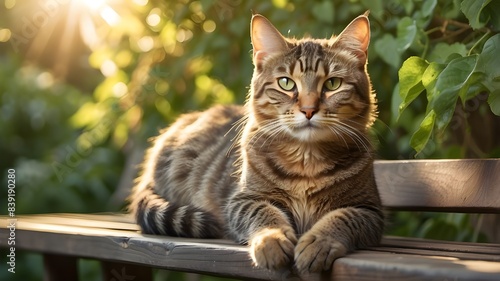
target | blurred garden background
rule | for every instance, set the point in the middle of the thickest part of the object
(84, 84)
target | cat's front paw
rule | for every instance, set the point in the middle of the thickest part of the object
(273, 247)
(315, 253)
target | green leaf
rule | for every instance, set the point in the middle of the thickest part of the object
(473, 88)
(487, 65)
(494, 101)
(451, 83)
(422, 135)
(410, 79)
(396, 101)
(442, 51)
(430, 76)
(494, 13)
(488, 62)
(387, 48)
(444, 118)
(407, 31)
(472, 9)
(428, 7)
(450, 9)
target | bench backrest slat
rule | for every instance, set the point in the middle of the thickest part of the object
(467, 186)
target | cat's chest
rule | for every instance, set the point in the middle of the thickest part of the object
(304, 214)
(305, 160)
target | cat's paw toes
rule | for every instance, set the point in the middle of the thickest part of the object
(315, 253)
(273, 247)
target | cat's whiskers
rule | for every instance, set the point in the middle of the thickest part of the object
(341, 129)
(354, 135)
(338, 135)
(272, 133)
(268, 129)
(238, 126)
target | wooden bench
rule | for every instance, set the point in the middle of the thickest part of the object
(466, 186)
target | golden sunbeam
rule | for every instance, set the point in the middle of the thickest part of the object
(55, 33)
(102, 8)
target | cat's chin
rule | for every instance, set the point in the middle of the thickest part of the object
(310, 133)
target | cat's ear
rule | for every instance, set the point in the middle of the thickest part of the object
(356, 35)
(266, 39)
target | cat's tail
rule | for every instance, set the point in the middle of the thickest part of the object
(156, 215)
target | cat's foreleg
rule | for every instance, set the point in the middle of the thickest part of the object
(334, 235)
(265, 227)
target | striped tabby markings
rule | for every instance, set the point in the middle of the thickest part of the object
(329, 237)
(299, 150)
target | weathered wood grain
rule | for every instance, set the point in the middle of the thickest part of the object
(470, 185)
(430, 185)
(213, 257)
(89, 236)
(440, 245)
(373, 266)
(102, 220)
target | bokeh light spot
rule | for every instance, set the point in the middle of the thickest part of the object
(9, 4)
(146, 43)
(153, 19)
(108, 68)
(209, 26)
(44, 80)
(5, 34)
(120, 89)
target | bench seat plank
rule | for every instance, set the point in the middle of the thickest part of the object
(440, 245)
(101, 220)
(215, 257)
(462, 185)
(367, 265)
(89, 236)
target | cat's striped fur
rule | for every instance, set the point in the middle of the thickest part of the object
(294, 177)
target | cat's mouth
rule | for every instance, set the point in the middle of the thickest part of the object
(304, 126)
(307, 126)
(309, 130)
(306, 131)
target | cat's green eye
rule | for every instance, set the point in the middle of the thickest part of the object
(286, 84)
(332, 84)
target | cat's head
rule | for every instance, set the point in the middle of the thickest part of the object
(312, 89)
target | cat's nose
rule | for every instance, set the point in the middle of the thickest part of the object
(309, 111)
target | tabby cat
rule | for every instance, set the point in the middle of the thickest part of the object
(291, 172)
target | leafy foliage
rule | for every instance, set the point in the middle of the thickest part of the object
(450, 72)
